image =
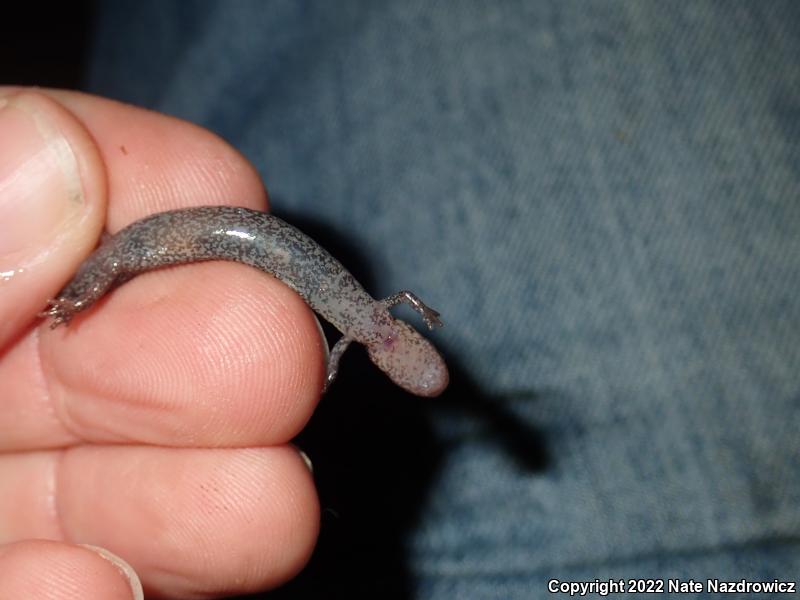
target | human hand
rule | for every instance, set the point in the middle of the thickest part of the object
(156, 425)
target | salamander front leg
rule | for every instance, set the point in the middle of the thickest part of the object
(333, 360)
(430, 316)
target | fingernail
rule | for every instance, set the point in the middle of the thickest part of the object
(40, 185)
(126, 570)
(306, 460)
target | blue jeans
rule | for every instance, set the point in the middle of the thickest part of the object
(602, 200)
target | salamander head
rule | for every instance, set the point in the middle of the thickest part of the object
(409, 359)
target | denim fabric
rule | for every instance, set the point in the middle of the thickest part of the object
(602, 199)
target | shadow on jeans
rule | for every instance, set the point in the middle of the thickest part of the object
(376, 456)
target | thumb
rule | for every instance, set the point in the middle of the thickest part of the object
(52, 203)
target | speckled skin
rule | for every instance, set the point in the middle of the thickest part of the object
(273, 246)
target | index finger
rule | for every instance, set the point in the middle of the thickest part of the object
(210, 354)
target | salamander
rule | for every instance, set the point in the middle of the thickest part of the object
(267, 243)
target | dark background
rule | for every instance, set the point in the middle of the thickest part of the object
(45, 45)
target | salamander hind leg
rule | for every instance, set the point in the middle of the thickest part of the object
(77, 296)
(60, 310)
